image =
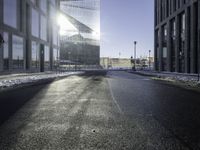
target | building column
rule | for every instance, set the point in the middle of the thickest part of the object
(177, 48)
(198, 57)
(187, 41)
(1, 22)
(169, 47)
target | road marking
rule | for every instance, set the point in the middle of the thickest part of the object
(114, 97)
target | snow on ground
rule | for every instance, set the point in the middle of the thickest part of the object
(10, 82)
(189, 79)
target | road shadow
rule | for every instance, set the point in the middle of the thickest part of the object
(13, 100)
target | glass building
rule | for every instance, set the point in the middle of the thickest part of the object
(30, 33)
(80, 35)
(177, 36)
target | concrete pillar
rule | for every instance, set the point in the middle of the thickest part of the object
(198, 37)
(1, 26)
(193, 38)
(169, 47)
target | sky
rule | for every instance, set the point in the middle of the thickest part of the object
(122, 23)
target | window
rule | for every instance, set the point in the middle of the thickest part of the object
(10, 13)
(17, 52)
(5, 51)
(43, 5)
(33, 1)
(43, 29)
(35, 23)
(46, 57)
(35, 55)
(55, 35)
(52, 12)
(53, 2)
(55, 57)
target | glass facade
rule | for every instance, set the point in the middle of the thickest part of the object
(5, 51)
(35, 23)
(17, 52)
(43, 5)
(164, 48)
(46, 57)
(182, 44)
(56, 57)
(55, 35)
(80, 31)
(10, 11)
(43, 30)
(26, 25)
(35, 55)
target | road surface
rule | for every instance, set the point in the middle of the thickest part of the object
(106, 112)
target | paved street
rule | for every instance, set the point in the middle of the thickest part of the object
(106, 112)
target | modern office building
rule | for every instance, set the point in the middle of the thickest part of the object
(177, 35)
(30, 34)
(80, 37)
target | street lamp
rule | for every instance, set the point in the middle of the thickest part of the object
(149, 59)
(135, 43)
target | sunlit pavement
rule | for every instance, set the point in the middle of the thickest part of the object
(117, 111)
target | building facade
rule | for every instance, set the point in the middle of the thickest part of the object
(177, 36)
(30, 35)
(80, 37)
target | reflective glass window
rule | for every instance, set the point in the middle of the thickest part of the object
(10, 13)
(35, 23)
(17, 52)
(46, 57)
(33, 1)
(5, 51)
(35, 55)
(55, 35)
(43, 30)
(53, 2)
(55, 57)
(43, 5)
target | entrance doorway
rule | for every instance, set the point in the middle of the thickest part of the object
(41, 58)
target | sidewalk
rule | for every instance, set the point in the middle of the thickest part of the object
(188, 79)
(11, 81)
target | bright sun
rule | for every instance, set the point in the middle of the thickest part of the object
(65, 25)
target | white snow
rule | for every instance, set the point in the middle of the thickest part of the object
(189, 79)
(11, 81)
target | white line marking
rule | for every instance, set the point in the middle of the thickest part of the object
(114, 98)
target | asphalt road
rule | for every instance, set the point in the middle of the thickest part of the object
(107, 112)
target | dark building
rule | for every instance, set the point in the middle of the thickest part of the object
(177, 35)
(79, 50)
(30, 34)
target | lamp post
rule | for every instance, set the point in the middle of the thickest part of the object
(149, 60)
(135, 43)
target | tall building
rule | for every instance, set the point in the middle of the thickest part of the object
(30, 35)
(80, 34)
(177, 35)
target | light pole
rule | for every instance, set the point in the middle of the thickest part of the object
(149, 60)
(135, 43)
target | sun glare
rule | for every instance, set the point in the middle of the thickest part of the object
(66, 27)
